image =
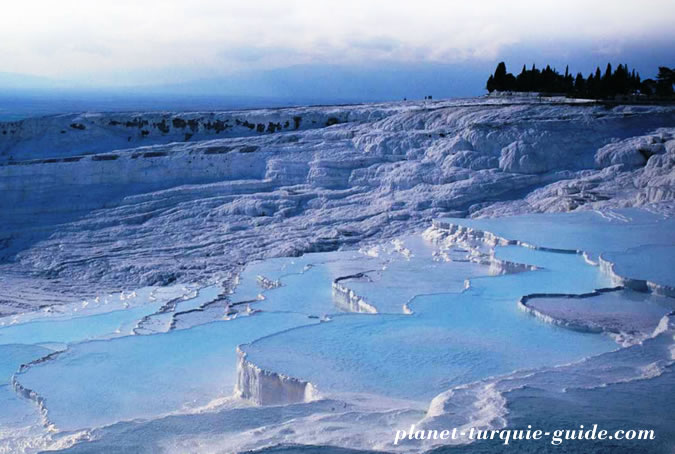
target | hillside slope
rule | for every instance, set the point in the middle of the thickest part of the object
(124, 200)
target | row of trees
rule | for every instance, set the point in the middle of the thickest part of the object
(597, 85)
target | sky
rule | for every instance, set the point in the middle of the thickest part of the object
(302, 48)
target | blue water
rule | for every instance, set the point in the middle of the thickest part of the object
(452, 338)
(372, 371)
(76, 329)
(101, 382)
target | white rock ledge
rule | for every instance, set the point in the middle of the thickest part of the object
(460, 233)
(443, 231)
(347, 300)
(639, 285)
(524, 306)
(32, 395)
(264, 387)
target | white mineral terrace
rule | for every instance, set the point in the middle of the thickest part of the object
(328, 275)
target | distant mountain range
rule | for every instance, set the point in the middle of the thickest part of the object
(295, 85)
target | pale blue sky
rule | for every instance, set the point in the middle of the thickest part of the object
(363, 46)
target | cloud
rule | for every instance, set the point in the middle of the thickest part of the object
(81, 38)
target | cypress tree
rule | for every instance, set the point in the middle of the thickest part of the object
(664, 81)
(621, 81)
(579, 85)
(490, 85)
(500, 77)
(521, 81)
